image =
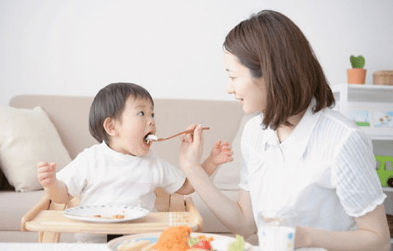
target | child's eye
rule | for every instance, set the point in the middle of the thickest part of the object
(141, 113)
(152, 115)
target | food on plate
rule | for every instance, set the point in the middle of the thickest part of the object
(173, 238)
(200, 243)
(179, 239)
(238, 245)
(118, 216)
(115, 216)
(203, 244)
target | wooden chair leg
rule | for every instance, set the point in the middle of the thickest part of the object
(197, 217)
(50, 237)
(40, 236)
(177, 203)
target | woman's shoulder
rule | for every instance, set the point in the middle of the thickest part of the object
(335, 118)
(335, 125)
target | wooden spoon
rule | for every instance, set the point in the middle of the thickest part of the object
(152, 137)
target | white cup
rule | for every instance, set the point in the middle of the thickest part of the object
(276, 230)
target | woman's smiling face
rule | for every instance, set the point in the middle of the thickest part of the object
(250, 91)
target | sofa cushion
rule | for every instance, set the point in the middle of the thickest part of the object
(18, 204)
(227, 176)
(27, 137)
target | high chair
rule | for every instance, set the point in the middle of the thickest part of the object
(47, 218)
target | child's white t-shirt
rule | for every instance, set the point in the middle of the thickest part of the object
(102, 176)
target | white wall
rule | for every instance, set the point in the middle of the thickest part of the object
(172, 47)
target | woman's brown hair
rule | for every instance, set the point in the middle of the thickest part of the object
(274, 48)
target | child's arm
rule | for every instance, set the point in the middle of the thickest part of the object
(220, 154)
(55, 189)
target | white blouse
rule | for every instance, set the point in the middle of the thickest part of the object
(324, 171)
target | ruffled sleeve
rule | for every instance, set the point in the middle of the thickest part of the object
(354, 175)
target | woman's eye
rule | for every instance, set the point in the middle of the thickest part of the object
(141, 113)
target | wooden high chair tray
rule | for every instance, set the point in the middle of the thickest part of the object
(49, 221)
(55, 221)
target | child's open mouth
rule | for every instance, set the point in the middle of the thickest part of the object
(149, 138)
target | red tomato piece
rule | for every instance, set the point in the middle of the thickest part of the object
(203, 245)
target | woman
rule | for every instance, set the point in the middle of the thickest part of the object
(298, 154)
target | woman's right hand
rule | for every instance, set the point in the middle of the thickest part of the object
(46, 173)
(191, 148)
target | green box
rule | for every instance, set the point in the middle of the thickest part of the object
(385, 176)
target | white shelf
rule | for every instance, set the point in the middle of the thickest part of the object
(387, 189)
(363, 87)
(377, 96)
(376, 134)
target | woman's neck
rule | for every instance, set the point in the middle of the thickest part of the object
(283, 131)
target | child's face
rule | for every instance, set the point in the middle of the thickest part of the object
(137, 121)
(250, 91)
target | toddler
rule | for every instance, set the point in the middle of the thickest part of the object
(121, 169)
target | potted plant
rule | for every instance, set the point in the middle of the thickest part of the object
(357, 75)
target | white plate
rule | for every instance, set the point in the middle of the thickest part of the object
(89, 213)
(220, 242)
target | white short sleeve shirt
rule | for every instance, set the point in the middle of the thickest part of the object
(324, 171)
(100, 175)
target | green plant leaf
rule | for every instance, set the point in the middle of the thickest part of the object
(357, 62)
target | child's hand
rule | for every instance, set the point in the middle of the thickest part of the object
(46, 173)
(221, 153)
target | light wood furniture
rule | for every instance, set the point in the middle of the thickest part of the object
(370, 98)
(47, 219)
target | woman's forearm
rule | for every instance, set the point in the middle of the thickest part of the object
(230, 213)
(372, 234)
(359, 240)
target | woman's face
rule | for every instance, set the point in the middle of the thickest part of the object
(250, 91)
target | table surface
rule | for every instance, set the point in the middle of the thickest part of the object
(77, 247)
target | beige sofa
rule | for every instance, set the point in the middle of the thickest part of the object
(69, 115)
